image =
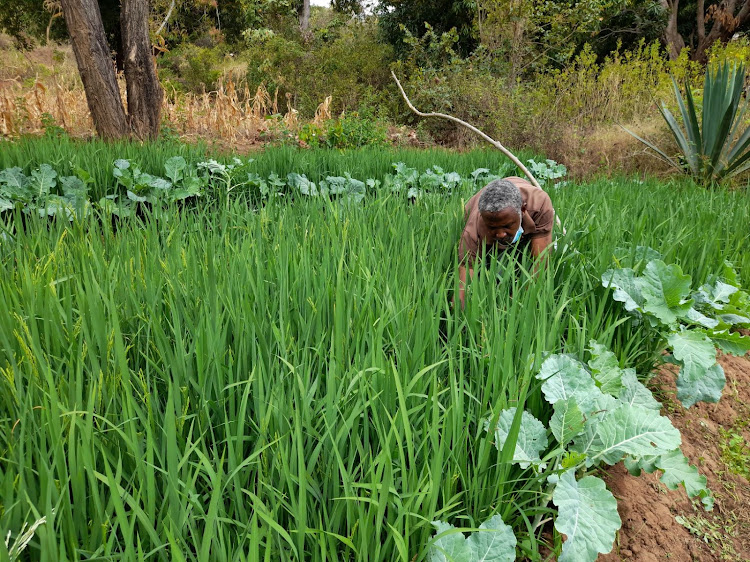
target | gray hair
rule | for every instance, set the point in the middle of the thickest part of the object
(498, 195)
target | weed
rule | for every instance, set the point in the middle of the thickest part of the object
(735, 450)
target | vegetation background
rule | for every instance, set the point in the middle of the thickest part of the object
(559, 77)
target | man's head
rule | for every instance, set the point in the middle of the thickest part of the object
(501, 207)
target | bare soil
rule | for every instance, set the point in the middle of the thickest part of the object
(659, 524)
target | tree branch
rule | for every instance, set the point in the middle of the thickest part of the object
(743, 14)
(472, 128)
(166, 19)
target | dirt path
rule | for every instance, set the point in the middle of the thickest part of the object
(659, 524)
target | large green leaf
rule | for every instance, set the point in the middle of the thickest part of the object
(450, 547)
(705, 388)
(567, 421)
(636, 394)
(159, 184)
(626, 287)
(587, 515)
(302, 184)
(73, 187)
(677, 470)
(175, 168)
(14, 185)
(632, 430)
(733, 343)
(532, 437)
(493, 542)
(715, 294)
(43, 180)
(666, 291)
(733, 319)
(695, 316)
(565, 378)
(605, 368)
(699, 379)
(636, 464)
(352, 189)
(693, 349)
(123, 173)
(585, 440)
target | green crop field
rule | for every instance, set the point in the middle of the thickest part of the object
(247, 371)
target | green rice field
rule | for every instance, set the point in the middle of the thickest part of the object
(287, 379)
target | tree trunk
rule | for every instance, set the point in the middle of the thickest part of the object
(726, 19)
(145, 94)
(92, 54)
(673, 39)
(304, 19)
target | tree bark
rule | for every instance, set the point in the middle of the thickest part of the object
(145, 94)
(701, 21)
(304, 19)
(92, 53)
(673, 39)
(726, 19)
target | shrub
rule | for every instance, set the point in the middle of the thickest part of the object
(344, 62)
(192, 68)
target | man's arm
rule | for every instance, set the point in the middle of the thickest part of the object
(538, 245)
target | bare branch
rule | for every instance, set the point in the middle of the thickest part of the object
(472, 128)
(166, 19)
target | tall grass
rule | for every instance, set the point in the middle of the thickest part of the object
(292, 382)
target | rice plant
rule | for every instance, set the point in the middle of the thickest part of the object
(291, 382)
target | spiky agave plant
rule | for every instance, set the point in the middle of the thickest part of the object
(715, 146)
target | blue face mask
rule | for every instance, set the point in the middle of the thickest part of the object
(517, 237)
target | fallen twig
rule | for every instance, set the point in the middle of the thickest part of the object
(485, 136)
(472, 128)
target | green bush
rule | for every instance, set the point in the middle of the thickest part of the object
(540, 111)
(344, 62)
(191, 68)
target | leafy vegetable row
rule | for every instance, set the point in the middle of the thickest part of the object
(51, 194)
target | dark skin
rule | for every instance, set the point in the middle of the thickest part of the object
(498, 229)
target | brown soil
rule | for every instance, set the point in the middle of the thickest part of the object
(650, 512)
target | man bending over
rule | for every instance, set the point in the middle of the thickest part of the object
(504, 214)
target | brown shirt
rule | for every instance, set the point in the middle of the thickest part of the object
(537, 220)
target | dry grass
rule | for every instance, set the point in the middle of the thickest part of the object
(25, 110)
(231, 113)
(323, 113)
(41, 88)
(608, 149)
